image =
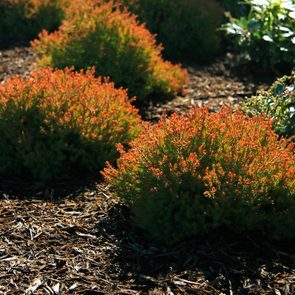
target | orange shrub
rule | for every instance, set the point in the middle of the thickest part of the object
(99, 34)
(60, 123)
(187, 175)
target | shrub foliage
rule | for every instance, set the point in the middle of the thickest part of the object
(266, 36)
(22, 20)
(99, 34)
(187, 175)
(277, 103)
(59, 123)
(186, 28)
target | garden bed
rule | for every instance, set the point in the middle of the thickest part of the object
(85, 242)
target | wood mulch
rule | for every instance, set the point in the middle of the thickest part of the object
(213, 86)
(16, 61)
(86, 243)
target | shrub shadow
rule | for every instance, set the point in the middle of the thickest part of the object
(221, 261)
(28, 189)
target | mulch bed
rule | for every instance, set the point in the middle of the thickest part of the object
(16, 61)
(85, 242)
(212, 86)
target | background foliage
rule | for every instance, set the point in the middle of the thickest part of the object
(266, 36)
(235, 7)
(278, 103)
(22, 20)
(186, 28)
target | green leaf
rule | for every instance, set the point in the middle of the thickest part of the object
(279, 89)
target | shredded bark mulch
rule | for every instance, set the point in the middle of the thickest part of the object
(87, 244)
(16, 61)
(219, 84)
(83, 241)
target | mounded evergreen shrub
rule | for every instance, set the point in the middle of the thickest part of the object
(23, 20)
(187, 175)
(277, 103)
(59, 124)
(99, 34)
(186, 28)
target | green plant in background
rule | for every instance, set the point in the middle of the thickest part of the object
(188, 175)
(22, 20)
(266, 36)
(277, 103)
(186, 28)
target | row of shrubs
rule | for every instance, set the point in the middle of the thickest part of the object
(188, 29)
(263, 31)
(182, 176)
(99, 34)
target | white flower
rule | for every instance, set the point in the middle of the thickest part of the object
(288, 4)
(287, 32)
(283, 49)
(260, 2)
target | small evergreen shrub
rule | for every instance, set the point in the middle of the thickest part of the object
(187, 175)
(266, 36)
(99, 34)
(278, 103)
(23, 20)
(186, 28)
(60, 124)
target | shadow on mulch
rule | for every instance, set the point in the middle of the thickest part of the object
(221, 261)
(27, 189)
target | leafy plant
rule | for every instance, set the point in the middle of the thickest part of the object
(57, 124)
(278, 103)
(266, 36)
(99, 34)
(187, 175)
(22, 20)
(186, 28)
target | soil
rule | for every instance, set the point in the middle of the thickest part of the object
(16, 61)
(84, 241)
